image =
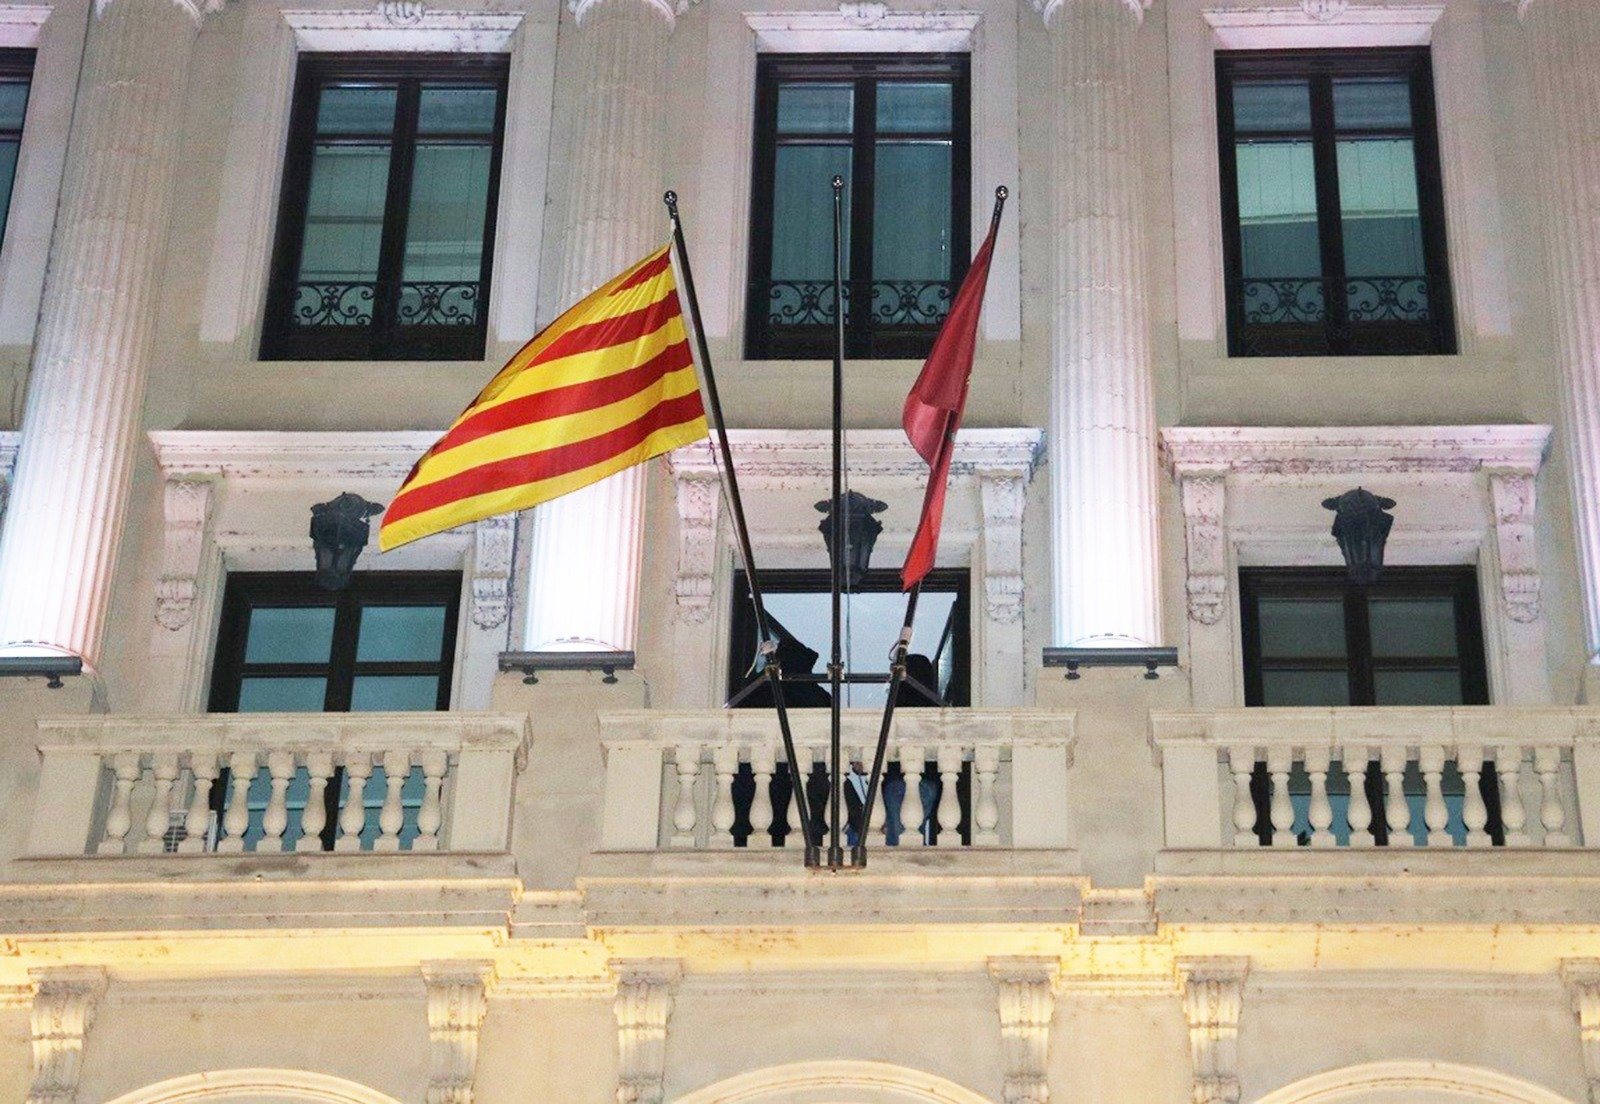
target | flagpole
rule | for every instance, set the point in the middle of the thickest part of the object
(773, 667)
(836, 520)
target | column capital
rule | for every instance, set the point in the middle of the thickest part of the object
(1048, 9)
(580, 9)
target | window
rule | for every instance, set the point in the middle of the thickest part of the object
(1313, 638)
(386, 227)
(1333, 209)
(287, 646)
(16, 76)
(799, 608)
(896, 128)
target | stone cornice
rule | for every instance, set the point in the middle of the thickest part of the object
(405, 26)
(1353, 450)
(763, 454)
(286, 455)
(1047, 9)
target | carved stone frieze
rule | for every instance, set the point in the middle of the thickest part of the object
(1025, 992)
(491, 571)
(643, 1007)
(64, 1002)
(1213, 992)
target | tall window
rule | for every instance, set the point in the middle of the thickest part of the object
(387, 641)
(1333, 208)
(386, 227)
(896, 128)
(16, 76)
(1313, 638)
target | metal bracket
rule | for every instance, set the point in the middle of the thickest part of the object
(531, 663)
(52, 668)
(1074, 658)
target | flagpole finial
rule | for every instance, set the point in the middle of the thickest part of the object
(838, 182)
(670, 198)
(1002, 193)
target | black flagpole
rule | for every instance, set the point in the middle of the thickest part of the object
(836, 520)
(773, 668)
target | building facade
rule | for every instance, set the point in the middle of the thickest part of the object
(1187, 803)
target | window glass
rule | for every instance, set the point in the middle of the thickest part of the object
(378, 692)
(343, 235)
(1307, 688)
(444, 234)
(911, 217)
(1295, 627)
(1272, 107)
(816, 108)
(290, 634)
(1417, 687)
(1378, 204)
(457, 110)
(391, 633)
(802, 212)
(282, 695)
(13, 103)
(356, 109)
(1413, 627)
(16, 67)
(1382, 103)
(906, 107)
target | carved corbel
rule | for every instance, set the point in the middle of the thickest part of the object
(643, 1006)
(186, 505)
(491, 571)
(1003, 493)
(457, 1001)
(1204, 493)
(1582, 978)
(1515, 498)
(1025, 991)
(64, 1002)
(699, 505)
(1213, 992)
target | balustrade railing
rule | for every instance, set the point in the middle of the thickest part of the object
(1473, 777)
(718, 780)
(273, 783)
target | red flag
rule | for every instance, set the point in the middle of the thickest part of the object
(933, 409)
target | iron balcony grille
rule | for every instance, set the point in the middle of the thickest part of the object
(1341, 316)
(794, 319)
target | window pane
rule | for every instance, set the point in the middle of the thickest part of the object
(378, 692)
(343, 234)
(289, 634)
(1417, 687)
(1372, 103)
(1278, 210)
(1378, 202)
(456, 110)
(356, 109)
(400, 634)
(1309, 628)
(914, 107)
(911, 211)
(1305, 688)
(444, 235)
(8, 171)
(282, 695)
(13, 103)
(815, 108)
(1413, 626)
(802, 212)
(1273, 107)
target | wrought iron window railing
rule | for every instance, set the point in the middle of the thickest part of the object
(1341, 316)
(422, 303)
(883, 318)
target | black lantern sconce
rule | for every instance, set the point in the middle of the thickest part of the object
(861, 531)
(339, 532)
(1361, 524)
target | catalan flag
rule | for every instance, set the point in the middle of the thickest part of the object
(607, 385)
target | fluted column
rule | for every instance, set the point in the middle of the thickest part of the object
(1105, 565)
(1563, 40)
(587, 547)
(92, 350)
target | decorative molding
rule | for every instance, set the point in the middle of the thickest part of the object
(20, 26)
(297, 1086)
(857, 1081)
(1306, 22)
(1204, 494)
(1514, 497)
(457, 1001)
(270, 454)
(1003, 494)
(1048, 8)
(863, 13)
(64, 1002)
(186, 506)
(196, 10)
(404, 26)
(1387, 1080)
(643, 1006)
(667, 9)
(766, 456)
(864, 25)
(1213, 990)
(699, 499)
(1360, 450)
(1325, 11)
(491, 570)
(1582, 979)
(1025, 992)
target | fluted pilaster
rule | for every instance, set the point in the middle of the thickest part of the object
(1563, 39)
(1105, 564)
(92, 351)
(588, 546)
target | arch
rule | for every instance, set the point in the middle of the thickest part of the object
(840, 1082)
(1427, 1082)
(256, 1086)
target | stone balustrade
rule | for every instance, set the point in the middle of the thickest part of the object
(718, 779)
(1471, 777)
(272, 783)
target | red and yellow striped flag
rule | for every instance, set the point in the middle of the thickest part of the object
(607, 385)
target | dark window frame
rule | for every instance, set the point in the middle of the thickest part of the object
(385, 338)
(741, 626)
(1336, 334)
(251, 590)
(1458, 583)
(15, 64)
(863, 338)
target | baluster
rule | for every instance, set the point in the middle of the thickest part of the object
(236, 821)
(119, 817)
(1474, 813)
(1547, 764)
(314, 817)
(1359, 814)
(763, 761)
(949, 815)
(1319, 814)
(1396, 810)
(1435, 813)
(683, 813)
(877, 829)
(203, 766)
(912, 765)
(396, 765)
(275, 821)
(1242, 764)
(430, 817)
(168, 799)
(1513, 813)
(353, 815)
(1280, 761)
(985, 805)
(725, 762)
